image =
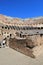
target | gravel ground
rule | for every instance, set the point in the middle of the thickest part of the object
(9, 56)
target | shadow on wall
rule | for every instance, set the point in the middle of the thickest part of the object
(22, 46)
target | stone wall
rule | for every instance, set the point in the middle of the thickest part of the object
(20, 45)
(26, 46)
(37, 39)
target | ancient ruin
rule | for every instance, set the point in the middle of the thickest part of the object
(23, 35)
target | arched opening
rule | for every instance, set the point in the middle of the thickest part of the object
(41, 27)
(41, 35)
(10, 35)
(2, 27)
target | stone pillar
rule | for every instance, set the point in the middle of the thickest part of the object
(7, 42)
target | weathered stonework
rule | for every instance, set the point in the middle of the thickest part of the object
(22, 35)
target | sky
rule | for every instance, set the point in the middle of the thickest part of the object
(21, 8)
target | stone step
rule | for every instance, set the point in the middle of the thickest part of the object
(38, 50)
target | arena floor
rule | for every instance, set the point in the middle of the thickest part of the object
(9, 56)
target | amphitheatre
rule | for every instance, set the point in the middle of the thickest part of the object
(22, 35)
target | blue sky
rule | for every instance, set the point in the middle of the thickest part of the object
(21, 8)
